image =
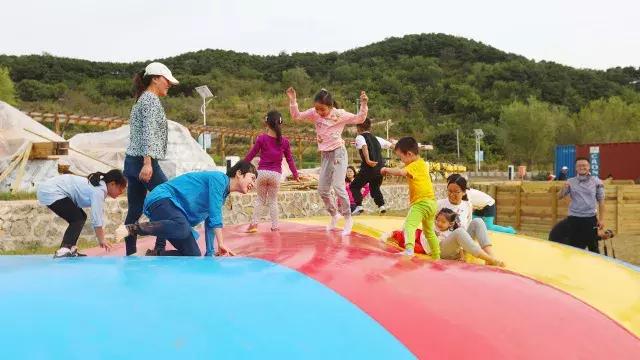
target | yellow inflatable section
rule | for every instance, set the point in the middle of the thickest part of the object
(609, 286)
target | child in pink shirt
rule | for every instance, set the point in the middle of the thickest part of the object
(272, 147)
(329, 122)
(351, 174)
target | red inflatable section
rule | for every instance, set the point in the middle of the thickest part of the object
(444, 309)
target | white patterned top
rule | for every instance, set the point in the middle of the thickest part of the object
(148, 128)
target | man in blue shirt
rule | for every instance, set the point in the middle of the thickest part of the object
(586, 211)
(178, 205)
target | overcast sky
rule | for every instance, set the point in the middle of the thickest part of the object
(586, 33)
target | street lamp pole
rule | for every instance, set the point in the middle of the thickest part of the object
(205, 94)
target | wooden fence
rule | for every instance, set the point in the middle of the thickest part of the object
(534, 207)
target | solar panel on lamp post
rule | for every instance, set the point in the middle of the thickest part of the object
(205, 94)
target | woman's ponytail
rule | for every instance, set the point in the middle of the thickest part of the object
(114, 175)
(140, 84)
(274, 121)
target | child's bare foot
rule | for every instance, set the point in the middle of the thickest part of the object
(348, 225)
(332, 223)
(495, 262)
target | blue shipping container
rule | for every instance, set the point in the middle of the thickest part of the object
(565, 156)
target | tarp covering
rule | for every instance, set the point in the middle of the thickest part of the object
(184, 154)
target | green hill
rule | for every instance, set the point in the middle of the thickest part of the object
(429, 84)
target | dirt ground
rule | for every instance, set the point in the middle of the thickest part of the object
(626, 247)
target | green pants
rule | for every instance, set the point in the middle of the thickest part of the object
(423, 211)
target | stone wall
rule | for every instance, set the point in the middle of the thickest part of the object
(26, 224)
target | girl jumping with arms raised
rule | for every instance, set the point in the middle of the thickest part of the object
(329, 122)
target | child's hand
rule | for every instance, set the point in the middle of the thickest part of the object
(105, 245)
(384, 171)
(363, 97)
(223, 251)
(291, 93)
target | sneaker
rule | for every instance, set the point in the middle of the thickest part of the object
(152, 252)
(74, 250)
(253, 228)
(275, 229)
(358, 210)
(63, 252)
(66, 252)
(382, 209)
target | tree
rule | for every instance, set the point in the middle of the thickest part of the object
(608, 120)
(34, 90)
(299, 79)
(7, 90)
(530, 130)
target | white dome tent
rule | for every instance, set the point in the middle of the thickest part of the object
(184, 154)
(17, 132)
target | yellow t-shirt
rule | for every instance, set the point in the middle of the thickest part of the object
(420, 186)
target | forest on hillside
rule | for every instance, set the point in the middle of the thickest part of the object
(430, 85)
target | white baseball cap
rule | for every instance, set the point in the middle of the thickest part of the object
(565, 168)
(156, 68)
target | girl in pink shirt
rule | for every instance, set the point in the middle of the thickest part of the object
(272, 147)
(329, 122)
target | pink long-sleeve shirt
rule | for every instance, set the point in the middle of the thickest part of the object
(271, 154)
(329, 129)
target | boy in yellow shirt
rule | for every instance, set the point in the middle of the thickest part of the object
(421, 195)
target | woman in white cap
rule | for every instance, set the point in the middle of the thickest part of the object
(148, 142)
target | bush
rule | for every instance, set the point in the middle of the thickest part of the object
(34, 90)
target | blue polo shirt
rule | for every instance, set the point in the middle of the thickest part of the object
(199, 195)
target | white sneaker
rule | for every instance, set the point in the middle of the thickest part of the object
(358, 210)
(348, 225)
(333, 223)
(121, 233)
(63, 252)
(382, 209)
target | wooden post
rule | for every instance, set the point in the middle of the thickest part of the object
(222, 147)
(300, 149)
(554, 205)
(519, 207)
(619, 204)
(493, 192)
(56, 124)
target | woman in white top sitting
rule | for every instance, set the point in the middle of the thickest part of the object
(484, 207)
(66, 195)
(457, 201)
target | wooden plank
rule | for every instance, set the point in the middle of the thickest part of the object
(518, 206)
(537, 212)
(11, 166)
(25, 158)
(619, 206)
(554, 204)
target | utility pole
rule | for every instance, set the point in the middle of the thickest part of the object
(457, 142)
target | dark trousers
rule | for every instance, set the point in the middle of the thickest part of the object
(136, 193)
(374, 179)
(75, 216)
(168, 222)
(578, 232)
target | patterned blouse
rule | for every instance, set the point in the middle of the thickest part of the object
(148, 128)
